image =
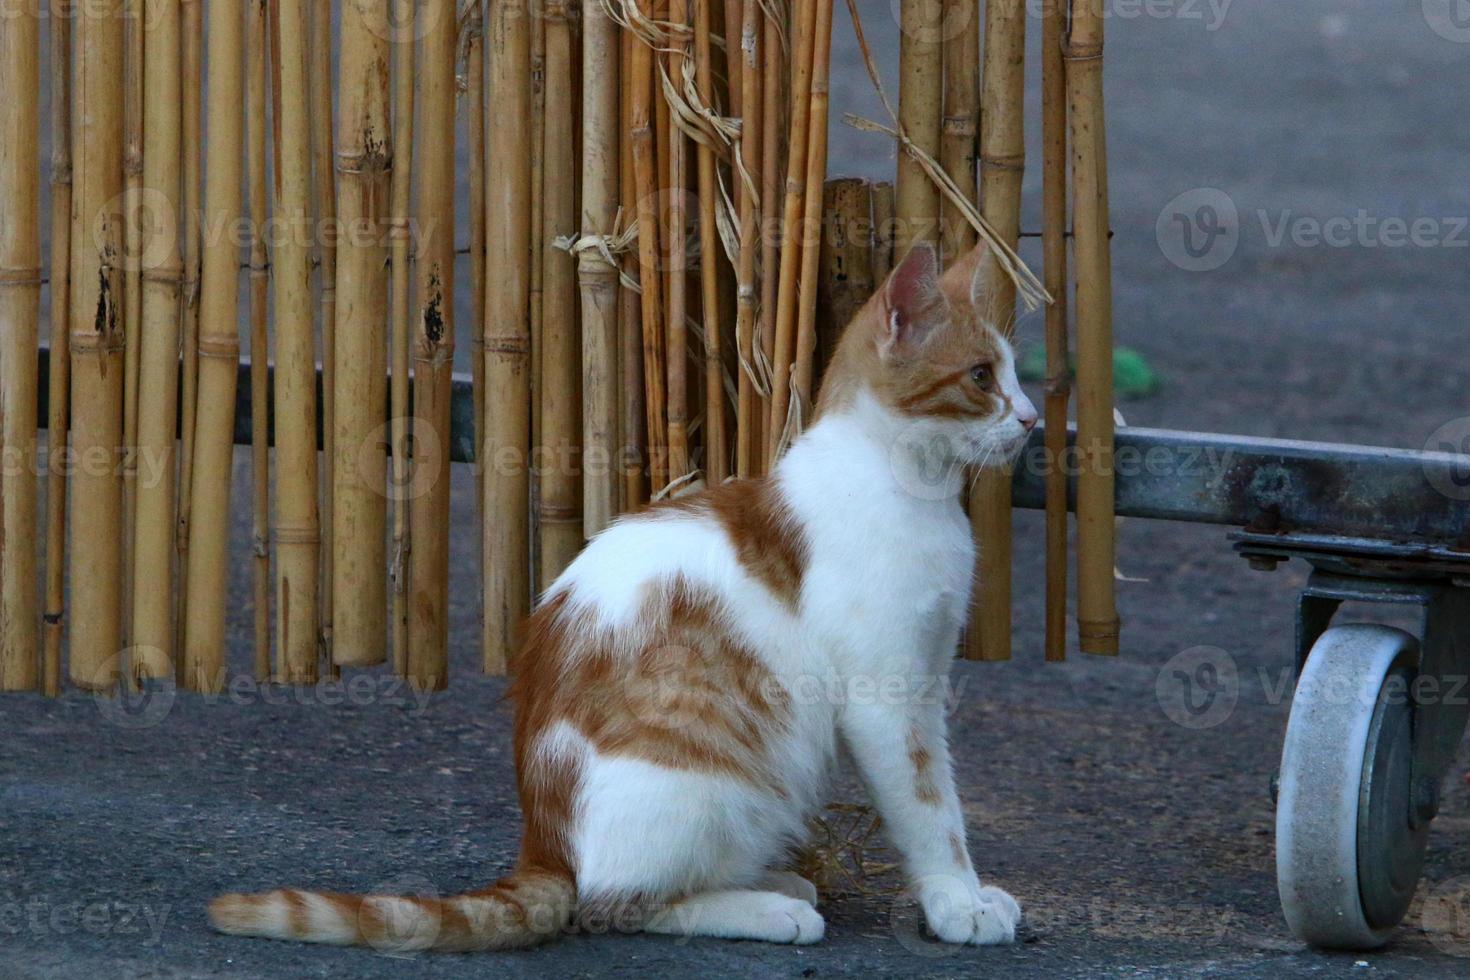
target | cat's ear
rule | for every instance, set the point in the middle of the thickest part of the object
(913, 305)
(973, 276)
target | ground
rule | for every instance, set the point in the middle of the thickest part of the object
(1139, 846)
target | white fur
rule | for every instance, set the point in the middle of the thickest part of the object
(883, 599)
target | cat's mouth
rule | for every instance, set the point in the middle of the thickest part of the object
(989, 455)
(1017, 446)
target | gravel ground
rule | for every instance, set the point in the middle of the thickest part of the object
(1139, 846)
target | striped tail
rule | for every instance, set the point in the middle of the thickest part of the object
(525, 909)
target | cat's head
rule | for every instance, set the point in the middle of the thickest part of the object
(928, 350)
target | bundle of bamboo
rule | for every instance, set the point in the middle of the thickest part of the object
(657, 269)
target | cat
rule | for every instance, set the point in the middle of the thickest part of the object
(683, 686)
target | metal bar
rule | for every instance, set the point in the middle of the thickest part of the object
(1279, 485)
(1265, 485)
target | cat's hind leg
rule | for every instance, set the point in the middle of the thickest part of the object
(766, 916)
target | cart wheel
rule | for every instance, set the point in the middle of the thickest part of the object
(1349, 851)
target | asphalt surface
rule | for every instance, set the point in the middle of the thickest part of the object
(1139, 839)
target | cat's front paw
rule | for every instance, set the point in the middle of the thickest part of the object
(962, 911)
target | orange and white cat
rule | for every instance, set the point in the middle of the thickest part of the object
(675, 717)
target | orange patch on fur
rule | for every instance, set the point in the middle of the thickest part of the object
(925, 789)
(684, 693)
(767, 538)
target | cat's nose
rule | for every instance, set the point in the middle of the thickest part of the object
(1026, 415)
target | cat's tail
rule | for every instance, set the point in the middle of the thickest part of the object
(524, 909)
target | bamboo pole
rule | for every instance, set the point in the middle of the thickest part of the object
(632, 441)
(559, 504)
(1002, 163)
(960, 127)
(722, 370)
(360, 396)
(663, 129)
(474, 59)
(1058, 371)
(219, 357)
(717, 465)
(773, 131)
(650, 276)
(193, 143)
(598, 278)
(59, 382)
(748, 445)
(804, 49)
(20, 296)
(324, 258)
(258, 41)
(729, 16)
(676, 267)
(153, 628)
(538, 219)
(297, 530)
(97, 350)
(1002, 136)
(811, 239)
(884, 224)
(1097, 611)
(847, 261)
(431, 290)
(920, 111)
(506, 443)
(433, 354)
(132, 319)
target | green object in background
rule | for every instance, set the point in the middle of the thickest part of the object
(1133, 376)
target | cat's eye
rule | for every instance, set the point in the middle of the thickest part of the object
(983, 375)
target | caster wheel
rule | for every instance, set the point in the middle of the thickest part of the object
(1349, 849)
